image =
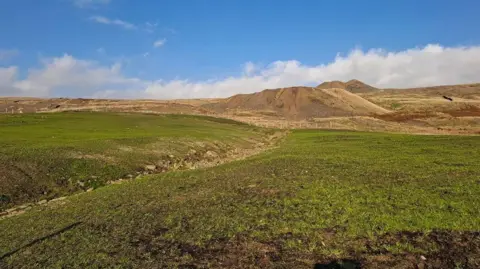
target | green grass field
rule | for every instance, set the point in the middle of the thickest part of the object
(380, 200)
(43, 156)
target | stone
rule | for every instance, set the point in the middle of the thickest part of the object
(192, 151)
(58, 199)
(10, 210)
(210, 154)
(150, 167)
(89, 190)
(24, 206)
(189, 165)
(42, 202)
(162, 163)
(200, 144)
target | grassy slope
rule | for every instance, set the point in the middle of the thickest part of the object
(43, 156)
(321, 195)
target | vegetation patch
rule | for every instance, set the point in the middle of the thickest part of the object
(331, 198)
(44, 156)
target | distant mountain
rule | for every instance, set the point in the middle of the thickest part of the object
(353, 86)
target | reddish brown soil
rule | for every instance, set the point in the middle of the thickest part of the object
(469, 111)
(405, 116)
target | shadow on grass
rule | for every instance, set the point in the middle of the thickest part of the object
(38, 240)
(340, 264)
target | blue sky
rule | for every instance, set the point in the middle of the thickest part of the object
(217, 48)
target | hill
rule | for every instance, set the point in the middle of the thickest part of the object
(336, 101)
(301, 102)
(465, 99)
(467, 91)
(353, 86)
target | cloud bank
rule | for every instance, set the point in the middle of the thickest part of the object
(68, 76)
(416, 67)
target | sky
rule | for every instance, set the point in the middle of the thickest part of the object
(216, 48)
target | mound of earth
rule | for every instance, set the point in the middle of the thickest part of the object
(354, 86)
(301, 102)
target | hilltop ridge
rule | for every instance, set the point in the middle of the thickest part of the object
(353, 86)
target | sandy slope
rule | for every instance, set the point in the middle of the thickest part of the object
(346, 100)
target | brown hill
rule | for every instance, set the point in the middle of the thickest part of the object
(332, 84)
(354, 86)
(357, 86)
(336, 98)
(468, 91)
(463, 99)
(300, 102)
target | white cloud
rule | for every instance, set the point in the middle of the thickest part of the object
(249, 68)
(148, 27)
(67, 76)
(90, 3)
(425, 66)
(6, 54)
(117, 22)
(159, 43)
(8, 76)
